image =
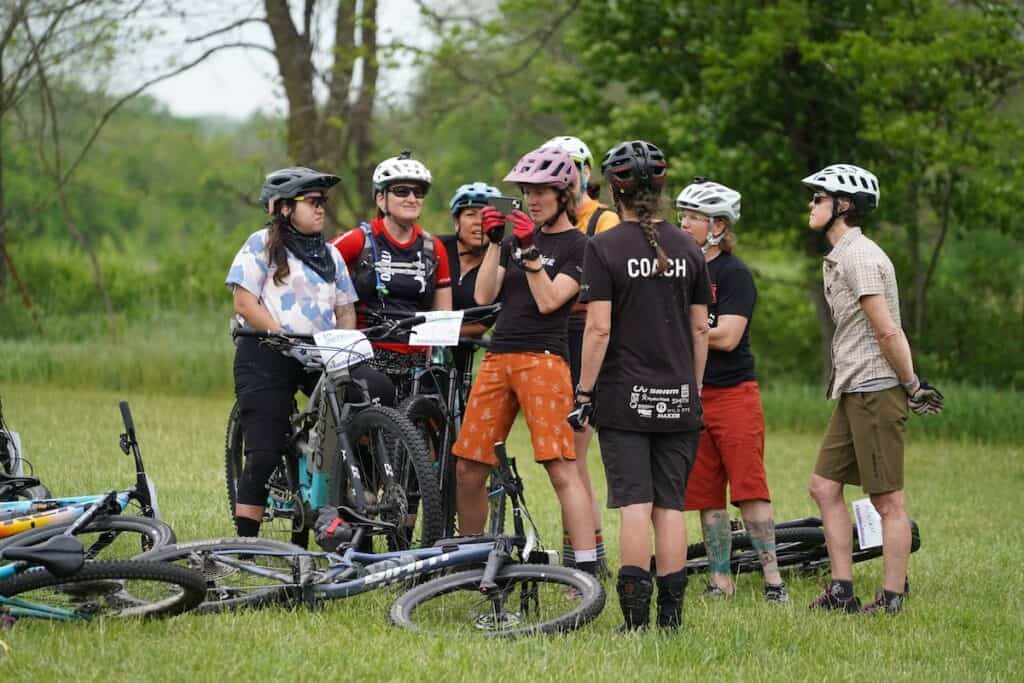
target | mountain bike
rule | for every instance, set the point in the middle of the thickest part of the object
(364, 456)
(436, 404)
(515, 589)
(799, 546)
(53, 580)
(12, 466)
(125, 523)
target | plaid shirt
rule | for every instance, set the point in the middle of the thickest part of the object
(857, 267)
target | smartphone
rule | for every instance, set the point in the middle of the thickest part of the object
(505, 205)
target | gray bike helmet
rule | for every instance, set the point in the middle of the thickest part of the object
(288, 183)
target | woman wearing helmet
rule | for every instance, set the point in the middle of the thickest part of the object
(647, 292)
(285, 263)
(536, 272)
(872, 378)
(731, 449)
(398, 268)
(592, 218)
(465, 253)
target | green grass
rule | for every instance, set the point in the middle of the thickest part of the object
(964, 619)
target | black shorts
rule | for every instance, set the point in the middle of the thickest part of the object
(575, 351)
(647, 467)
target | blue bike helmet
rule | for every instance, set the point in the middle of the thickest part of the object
(473, 194)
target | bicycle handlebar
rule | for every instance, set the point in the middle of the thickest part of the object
(375, 333)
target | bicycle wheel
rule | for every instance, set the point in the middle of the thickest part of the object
(530, 599)
(793, 547)
(822, 562)
(287, 518)
(411, 501)
(222, 562)
(110, 537)
(110, 589)
(425, 413)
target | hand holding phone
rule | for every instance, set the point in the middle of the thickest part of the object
(505, 205)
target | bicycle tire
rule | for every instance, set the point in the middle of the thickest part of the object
(280, 477)
(113, 540)
(416, 492)
(123, 588)
(425, 413)
(579, 598)
(229, 588)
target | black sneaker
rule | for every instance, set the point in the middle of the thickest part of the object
(776, 594)
(885, 603)
(828, 601)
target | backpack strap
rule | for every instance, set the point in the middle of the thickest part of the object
(594, 218)
(369, 255)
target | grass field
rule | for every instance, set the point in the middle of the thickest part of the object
(964, 619)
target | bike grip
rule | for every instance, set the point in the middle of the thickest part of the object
(126, 415)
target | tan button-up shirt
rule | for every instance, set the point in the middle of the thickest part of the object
(857, 267)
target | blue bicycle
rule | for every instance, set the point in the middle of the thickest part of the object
(53, 580)
(511, 585)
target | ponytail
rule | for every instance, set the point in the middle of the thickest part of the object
(276, 253)
(647, 207)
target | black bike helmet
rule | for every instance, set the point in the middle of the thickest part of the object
(287, 183)
(634, 166)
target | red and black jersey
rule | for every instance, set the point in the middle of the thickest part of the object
(393, 279)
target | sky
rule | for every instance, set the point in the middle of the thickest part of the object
(239, 82)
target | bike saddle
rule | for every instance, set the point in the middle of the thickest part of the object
(62, 555)
(10, 485)
(353, 517)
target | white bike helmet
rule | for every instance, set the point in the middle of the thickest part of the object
(402, 167)
(850, 180)
(710, 198)
(574, 147)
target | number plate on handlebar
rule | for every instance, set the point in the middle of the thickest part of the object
(441, 329)
(343, 348)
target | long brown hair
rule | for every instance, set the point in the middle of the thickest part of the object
(567, 203)
(276, 253)
(647, 207)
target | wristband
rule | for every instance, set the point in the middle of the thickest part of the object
(580, 391)
(531, 254)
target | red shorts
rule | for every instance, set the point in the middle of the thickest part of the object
(731, 450)
(536, 382)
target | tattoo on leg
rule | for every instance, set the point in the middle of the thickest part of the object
(717, 540)
(762, 538)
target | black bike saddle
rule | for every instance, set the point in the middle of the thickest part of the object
(62, 555)
(353, 517)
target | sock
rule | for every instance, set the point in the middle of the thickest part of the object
(675, 577)
(589, 567)
(247, 527)
(568, 557)
(840, 589)
(586, 555)
(600, 547)
(634, 572)
(889, 596)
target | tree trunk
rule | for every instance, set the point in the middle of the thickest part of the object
(362, 111)
(295, 62)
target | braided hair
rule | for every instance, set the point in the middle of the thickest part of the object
(276, 253)
(646, 204)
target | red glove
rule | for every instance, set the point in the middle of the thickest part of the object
(493, 224)
(523, 228)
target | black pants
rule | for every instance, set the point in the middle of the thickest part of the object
(265, 386)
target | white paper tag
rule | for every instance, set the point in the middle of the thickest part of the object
(343, 348)
(441, 329)
(869, 523)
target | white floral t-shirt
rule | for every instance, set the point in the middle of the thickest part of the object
(304, 303)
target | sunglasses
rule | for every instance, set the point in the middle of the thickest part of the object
(317, 201)
(685, 217)
(403, 191)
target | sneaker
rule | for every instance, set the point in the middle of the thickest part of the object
(885, 604)
(776, 594)
(830, 602)
(713, 590)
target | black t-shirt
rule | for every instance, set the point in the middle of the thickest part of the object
(732, 293)
(521, 327)
(463, 285)
(647, 380)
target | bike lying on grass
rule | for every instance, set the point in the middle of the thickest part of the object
(53, 580)
(12, 466)
(364, 456)
(110, 532)
(515, 588)
(799, 546)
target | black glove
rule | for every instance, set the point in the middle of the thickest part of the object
(581, 410)
(926, 399)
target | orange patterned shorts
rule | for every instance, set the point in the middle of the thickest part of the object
(536, 382)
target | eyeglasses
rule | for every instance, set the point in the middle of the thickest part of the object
(817, 197)
(317, 201)
(402, 191)
(687, 217)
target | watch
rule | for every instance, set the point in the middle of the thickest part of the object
(531, 254)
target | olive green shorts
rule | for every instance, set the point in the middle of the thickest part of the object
(864, 441)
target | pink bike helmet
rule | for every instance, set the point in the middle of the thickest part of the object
(545, 166)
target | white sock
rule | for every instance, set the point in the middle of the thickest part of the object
(586, 555)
